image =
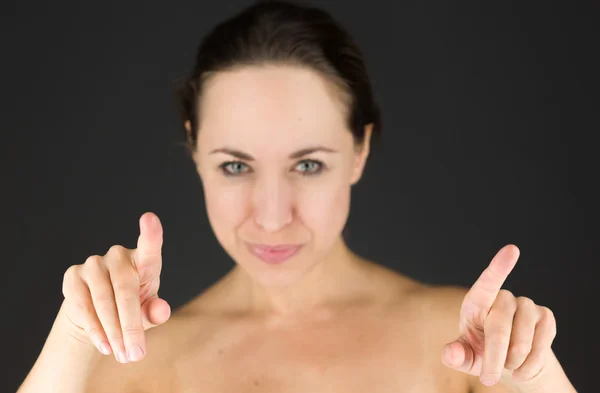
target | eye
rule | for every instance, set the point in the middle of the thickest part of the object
(234, 168)
(310, 167)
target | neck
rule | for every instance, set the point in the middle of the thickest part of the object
(333, 280)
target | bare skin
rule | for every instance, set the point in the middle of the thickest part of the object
(277, 163)
(384, 336)
(327, 321)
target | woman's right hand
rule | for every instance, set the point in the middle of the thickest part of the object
(112, 300)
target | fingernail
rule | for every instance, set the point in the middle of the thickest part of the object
(488, 381)
(122, 357)
(104, 348)
(135, 353)
(447, 354)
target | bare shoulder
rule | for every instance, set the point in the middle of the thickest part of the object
(154, 372)
(437, 309)
(440, 303)
(434, 309)
(443, 303)
(428, 315)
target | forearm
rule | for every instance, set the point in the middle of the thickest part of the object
(64, 364)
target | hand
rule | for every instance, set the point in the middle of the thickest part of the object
(112, 300)
(500, 335)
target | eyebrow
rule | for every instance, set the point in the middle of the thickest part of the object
(297, 154)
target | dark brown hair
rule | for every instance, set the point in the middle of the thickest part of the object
(283, 32)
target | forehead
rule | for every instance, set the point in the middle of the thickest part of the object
(280, 104)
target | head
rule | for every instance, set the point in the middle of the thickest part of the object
(279, 117)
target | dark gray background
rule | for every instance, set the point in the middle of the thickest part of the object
(489, 120)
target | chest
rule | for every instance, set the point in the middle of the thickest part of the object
(358, 357)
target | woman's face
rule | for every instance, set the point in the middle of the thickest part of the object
(277, 163)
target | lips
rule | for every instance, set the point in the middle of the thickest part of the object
(274, 254)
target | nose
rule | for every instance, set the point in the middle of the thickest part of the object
(273, 207)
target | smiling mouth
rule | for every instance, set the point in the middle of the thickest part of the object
(274, 254)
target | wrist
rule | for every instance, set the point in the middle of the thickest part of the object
(74, 335)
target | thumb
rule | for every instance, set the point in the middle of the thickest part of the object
(458, 355)
(155, 311)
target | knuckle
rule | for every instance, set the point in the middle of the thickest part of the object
(81, 308)
(524, 301)
(115, 335)
(122, 275)
(120, 265)
(127, 295)
(547, 313)
(125, 278)
(548, 318)
(93, 330)
(506, 296)
(68, 278)
(133, 330)
(92, 266)
(520, 349)
(71, 270)
(104, 301)
(505, 300)
(499, 337)
(116, 249)
(499, 317)
(93, 260)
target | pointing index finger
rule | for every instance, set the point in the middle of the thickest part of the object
(485, 290)
(148, 254)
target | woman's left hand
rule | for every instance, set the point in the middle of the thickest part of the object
(501, 336)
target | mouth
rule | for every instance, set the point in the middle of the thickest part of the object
(274, 254)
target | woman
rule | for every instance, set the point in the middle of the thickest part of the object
(279, 116)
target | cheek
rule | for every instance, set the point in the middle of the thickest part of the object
(225, 208)
(327, 205)
(325, 210)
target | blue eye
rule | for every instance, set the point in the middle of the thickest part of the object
(233, 168)
(305, 167)
(310, 167)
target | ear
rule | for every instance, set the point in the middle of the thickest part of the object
(361, 155)
(188, 128)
